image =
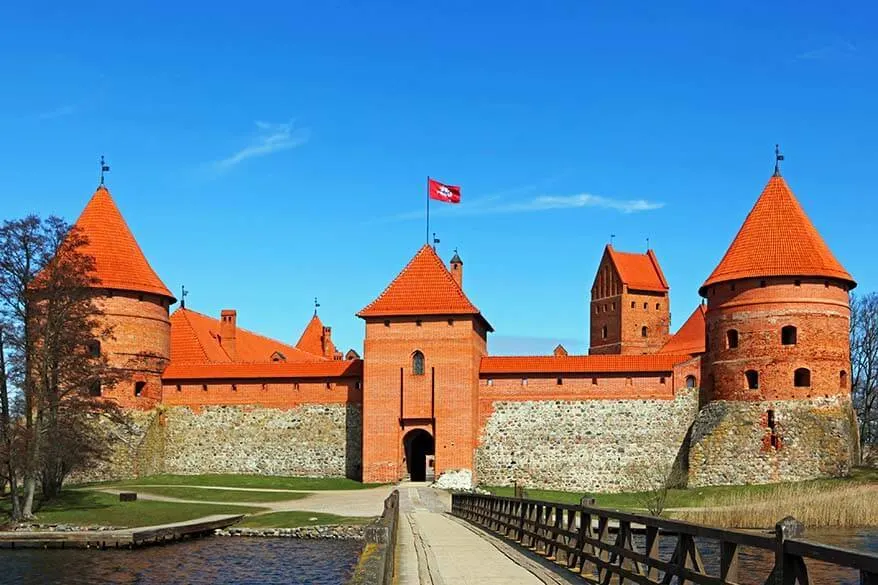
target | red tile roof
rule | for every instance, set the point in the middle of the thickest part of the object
(195, 339)
(639, 271)
(580, 364)
(312, 338)
(777, 239)
(424, 287)
(690, 338)
(119, 261)
(255, 371)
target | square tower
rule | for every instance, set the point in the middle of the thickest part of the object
(630, 304)
(423, 347)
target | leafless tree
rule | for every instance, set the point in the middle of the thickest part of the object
(53, 325)
(864, 365)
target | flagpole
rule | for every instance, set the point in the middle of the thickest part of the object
(428, 210)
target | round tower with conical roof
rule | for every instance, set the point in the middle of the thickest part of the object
(775, 398)
(134, 300)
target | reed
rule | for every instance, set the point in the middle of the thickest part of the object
(814, 505)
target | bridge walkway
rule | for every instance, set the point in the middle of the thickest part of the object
(434, 548)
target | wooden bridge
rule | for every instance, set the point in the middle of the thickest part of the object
(645, 550)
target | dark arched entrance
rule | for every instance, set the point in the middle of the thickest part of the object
(418, 444)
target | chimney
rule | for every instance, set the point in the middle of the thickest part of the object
(229, 332)
(457, 269)
(326, 341)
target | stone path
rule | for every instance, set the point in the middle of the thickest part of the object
(364, 503)
(434, 548)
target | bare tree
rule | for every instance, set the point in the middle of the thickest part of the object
(864, 365)
(53, 327)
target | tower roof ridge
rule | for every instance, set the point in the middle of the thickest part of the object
(119, 261)
(777, 239)
(638, 271)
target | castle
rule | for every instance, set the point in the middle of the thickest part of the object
(753, 388)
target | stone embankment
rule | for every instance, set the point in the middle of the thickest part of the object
(304, 532)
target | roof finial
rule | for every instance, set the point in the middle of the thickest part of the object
(183, 293)
(777, 158)
(105, 168)
(316, 306)
(647, 243)
(612, 239)
(435, 241)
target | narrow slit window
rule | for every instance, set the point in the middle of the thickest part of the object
(752, 377)
(731, 339)
(418, 363)
(644, 331)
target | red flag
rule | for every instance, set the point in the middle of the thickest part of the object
(442, 192)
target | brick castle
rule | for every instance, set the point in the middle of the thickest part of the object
(753, 388)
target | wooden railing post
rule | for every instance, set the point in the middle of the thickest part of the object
(787, 568)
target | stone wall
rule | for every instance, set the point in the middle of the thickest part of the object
(136, 448)
(734, 442)
(584, 445)
(313, 440)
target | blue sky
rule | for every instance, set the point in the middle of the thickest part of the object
(269, 153)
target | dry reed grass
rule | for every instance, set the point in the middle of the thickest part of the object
(814, 505)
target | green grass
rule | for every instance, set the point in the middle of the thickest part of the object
(295, 519)
(688, 498)
(247, 481)
(203, 495)
(87, 508)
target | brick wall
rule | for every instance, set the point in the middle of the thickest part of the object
(280, 394)
(452, 347)
(142, 338)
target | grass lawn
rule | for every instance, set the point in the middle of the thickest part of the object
(203, 495)
(86, 508)
(296, 519)
(694, 497)
(248, 481)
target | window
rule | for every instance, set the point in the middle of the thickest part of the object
(788, 335)
(843, 379)
(629, 381)
(662, 380)
(644, 331)
(418, 363)
(731, 339)
(658, 306)
(761, 284)
(451, 322)
(633, 305)
(594, 381)
(604, 332)
(330, 385)
(524, 381)
(204, 387)
(234, 387)
(802, 378)
(752, 379)
(771, 422)
(94, 348)
(179, 388)
(295, 385)
(358, 385)
(138, 388)
(387, 322)
(419, 323)
(612, 306)
(95, 388)
(690, 381)
(596, 311)
(559, 381)
(645, 306)
(490, 381)
(797, 283)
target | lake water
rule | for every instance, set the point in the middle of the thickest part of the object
(216, 560)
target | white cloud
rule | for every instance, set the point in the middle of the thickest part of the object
(832, 51)
(270, 138)
(57, 112)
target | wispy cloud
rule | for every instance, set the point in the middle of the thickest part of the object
(59, 112)
(270, 138)
(829, 52)
(500, 205)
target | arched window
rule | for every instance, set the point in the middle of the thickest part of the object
(139, 387)
(644, 331)
(418, 363)
(690, 381)
(752, 379)
(843, 379)
(604, 332)
(802, 378)
(731, 339)
(788, 335)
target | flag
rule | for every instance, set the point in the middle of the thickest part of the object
(442, 192)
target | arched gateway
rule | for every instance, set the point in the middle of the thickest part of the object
(420, 450)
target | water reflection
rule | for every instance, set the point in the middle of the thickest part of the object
(218, 560)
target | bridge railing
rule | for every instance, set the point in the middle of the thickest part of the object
(607, 546)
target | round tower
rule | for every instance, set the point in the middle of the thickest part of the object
(135, 302)
(775, 398)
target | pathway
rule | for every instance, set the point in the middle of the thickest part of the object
(434, 548)
(366, 502)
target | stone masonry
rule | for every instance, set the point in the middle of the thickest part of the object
(587, 445)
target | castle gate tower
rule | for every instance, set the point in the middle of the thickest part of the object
(135, 302)
(423, 346)
(776, 402)
(630, 304)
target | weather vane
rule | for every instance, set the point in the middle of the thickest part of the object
(647, 243)
(183, 293)
(316, 306)
(435, 240)
(777, 158)
(105, 168)
(612, 239)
